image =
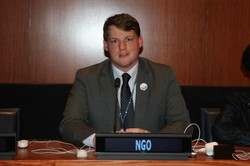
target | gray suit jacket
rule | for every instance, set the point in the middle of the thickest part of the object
(91, 103)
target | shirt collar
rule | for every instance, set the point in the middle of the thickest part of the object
(132, 72)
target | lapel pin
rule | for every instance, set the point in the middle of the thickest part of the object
(143, 86)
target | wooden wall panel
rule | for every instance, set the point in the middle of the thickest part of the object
(14, 53)
(46, 41)
(228, 34)
(178, 38)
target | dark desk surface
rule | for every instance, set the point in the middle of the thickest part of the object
(26, 156)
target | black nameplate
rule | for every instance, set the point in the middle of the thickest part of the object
(143, 146)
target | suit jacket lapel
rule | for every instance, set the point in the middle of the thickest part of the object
(107, 83)
(141, 95)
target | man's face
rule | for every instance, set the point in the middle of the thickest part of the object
(123, 47)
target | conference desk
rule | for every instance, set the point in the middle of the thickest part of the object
(26, 156)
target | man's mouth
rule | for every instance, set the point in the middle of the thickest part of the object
(124, 54)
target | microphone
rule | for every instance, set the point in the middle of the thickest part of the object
(117, 85)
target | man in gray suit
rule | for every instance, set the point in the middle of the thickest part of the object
(157, 102)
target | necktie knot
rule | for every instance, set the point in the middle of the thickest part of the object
(126, 77)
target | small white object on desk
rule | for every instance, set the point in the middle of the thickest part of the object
(81, 153)
(210, 148)
(23, 143)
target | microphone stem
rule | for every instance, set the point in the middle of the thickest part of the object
(116, 110)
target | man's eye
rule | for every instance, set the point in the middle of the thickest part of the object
(129, 39)
(113, 41)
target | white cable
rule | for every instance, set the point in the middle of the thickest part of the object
(199, 134)
(241, 155)
(199, 140)
(53, 150)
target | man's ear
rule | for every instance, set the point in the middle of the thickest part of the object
(140, 41)
(105, 45)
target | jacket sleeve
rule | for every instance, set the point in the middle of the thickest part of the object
(73, 127)
(176, 114)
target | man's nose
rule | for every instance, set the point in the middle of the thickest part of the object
(122, 45)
